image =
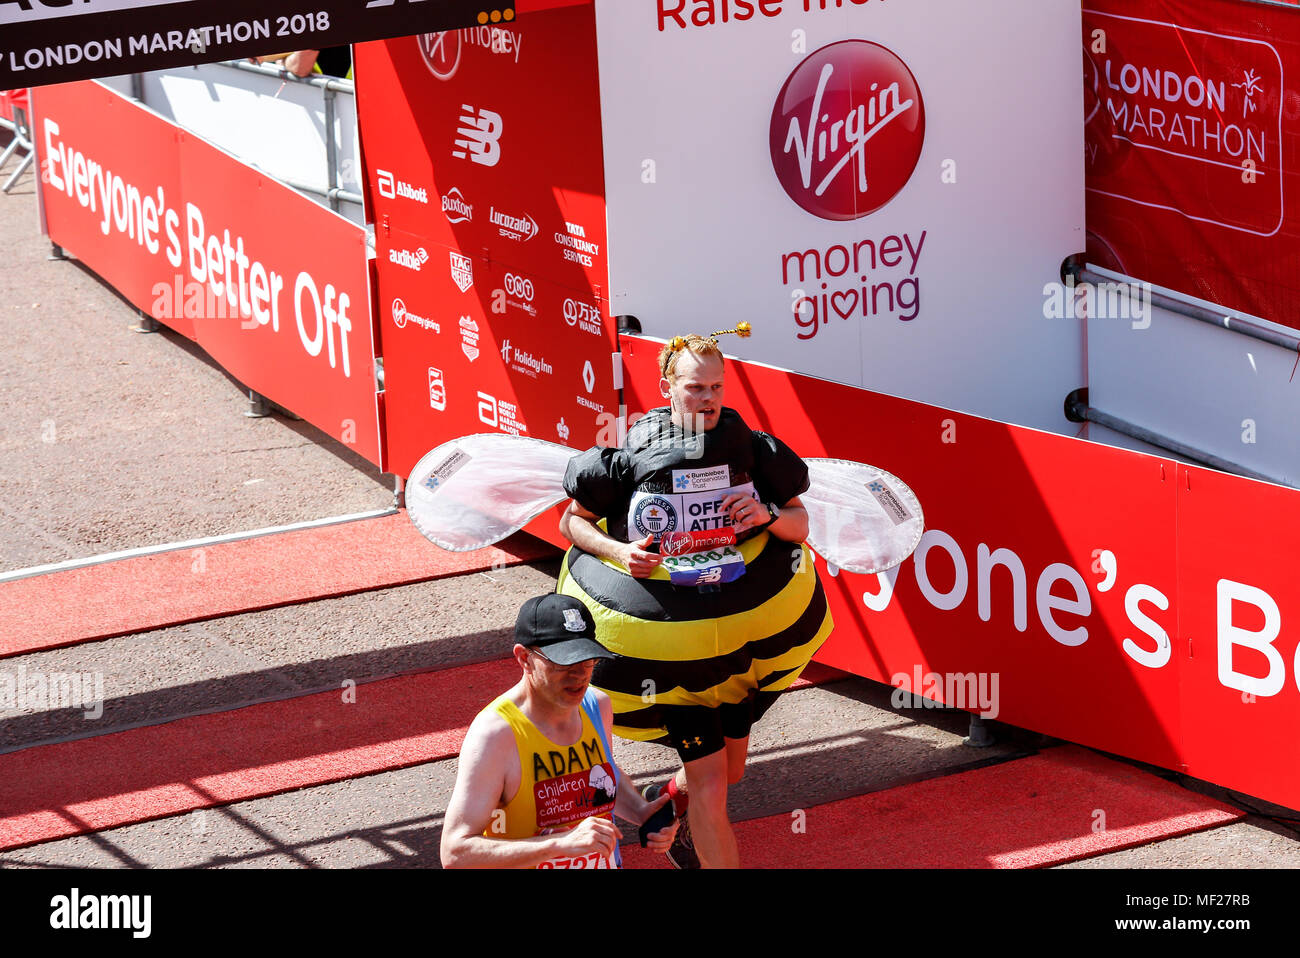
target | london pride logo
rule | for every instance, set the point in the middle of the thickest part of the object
(847, 130)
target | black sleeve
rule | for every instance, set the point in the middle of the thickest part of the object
(779, 474)
(594, 479)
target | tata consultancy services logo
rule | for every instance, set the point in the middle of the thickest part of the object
(847, 130)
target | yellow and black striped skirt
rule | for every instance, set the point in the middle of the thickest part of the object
(679, 646)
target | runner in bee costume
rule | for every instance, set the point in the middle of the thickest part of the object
(705, 639)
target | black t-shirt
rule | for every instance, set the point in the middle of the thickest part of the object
(603, 481)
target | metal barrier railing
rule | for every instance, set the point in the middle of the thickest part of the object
(1077, 408)
(330, 88)
(1223, 319)
(21, 141)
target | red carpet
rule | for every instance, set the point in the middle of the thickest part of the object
(152, 592)
(1027, 813)
(91, 784)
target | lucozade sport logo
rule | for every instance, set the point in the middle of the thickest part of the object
(847, 130)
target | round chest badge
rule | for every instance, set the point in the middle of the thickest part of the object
(847, 130)
(654, 516)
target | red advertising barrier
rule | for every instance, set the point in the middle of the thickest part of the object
(484, 174)
(271, 284)
(1237, 602)
(1191, 133)
(8, 100)
(1049, 574)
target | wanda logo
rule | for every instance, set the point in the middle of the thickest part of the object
(441, 52)
(847, 130)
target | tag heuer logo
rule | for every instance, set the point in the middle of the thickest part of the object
(573, 620)
(462, 271)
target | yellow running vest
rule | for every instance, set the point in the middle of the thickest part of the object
(560, 785)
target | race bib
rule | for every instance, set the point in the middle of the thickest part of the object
(710, 567)
(594, 860)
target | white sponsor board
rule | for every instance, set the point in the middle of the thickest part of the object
(882, 190)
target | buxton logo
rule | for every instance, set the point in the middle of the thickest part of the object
(455, 207)
(847, 130)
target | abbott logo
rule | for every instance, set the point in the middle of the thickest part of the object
(387, 187)
(840, 101)
(478, 136)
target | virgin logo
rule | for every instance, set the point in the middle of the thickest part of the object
(847, 130)
(441, 52)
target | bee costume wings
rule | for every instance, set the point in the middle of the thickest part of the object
(676, 644)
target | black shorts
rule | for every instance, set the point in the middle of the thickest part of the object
(696, 731)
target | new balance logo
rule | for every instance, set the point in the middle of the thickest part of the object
(478, 136)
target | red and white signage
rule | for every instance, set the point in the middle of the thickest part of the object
(272, 285)
(1115, 599)
(882, 189)
(847, 130)
(1189, 131)
(487, 191)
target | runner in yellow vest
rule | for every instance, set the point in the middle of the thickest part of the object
(537, 785)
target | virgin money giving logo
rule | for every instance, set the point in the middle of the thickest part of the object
(847, 130)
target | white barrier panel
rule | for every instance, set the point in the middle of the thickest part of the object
(883, 190)
(276, 126)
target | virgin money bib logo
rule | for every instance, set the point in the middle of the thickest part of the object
(847, 130)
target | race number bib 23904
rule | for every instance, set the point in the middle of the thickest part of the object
(711, 567)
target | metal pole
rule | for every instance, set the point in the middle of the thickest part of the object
(1078, 410)
(1234, 324)
(331, 149)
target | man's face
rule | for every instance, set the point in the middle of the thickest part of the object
(695, 393)
(561, 685)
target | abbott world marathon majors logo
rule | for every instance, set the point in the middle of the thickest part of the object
(847, 130)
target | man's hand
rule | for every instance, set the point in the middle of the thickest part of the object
(745, 512)
(659, 842)
(596, 834)
(639, 560)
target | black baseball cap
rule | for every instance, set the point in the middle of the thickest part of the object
(561, 628)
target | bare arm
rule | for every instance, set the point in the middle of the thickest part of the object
(579, 527)
(487, 754)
